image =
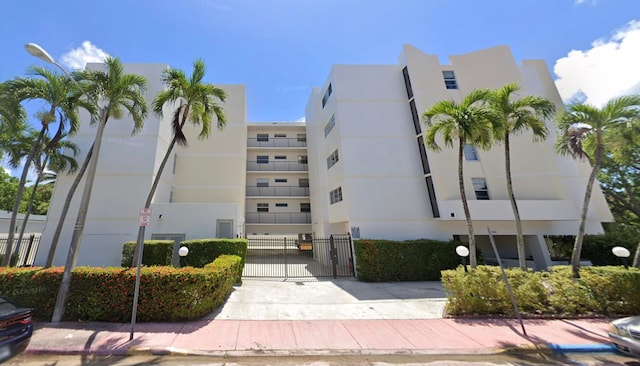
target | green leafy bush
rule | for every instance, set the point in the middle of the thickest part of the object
(106, 294)
(203, 251)
(601, 290)
(155, 253)
(413, 260)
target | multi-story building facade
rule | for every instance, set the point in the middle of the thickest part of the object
(358, 165)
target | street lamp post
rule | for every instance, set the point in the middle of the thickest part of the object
(183, 252)
(74, 247)
(463, 252)
(622, 253)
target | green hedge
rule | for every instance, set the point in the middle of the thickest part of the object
(610, 290)
(155, 253)
(203, 251)
(106, 294)
(412, 260)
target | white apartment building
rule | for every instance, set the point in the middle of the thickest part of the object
(358, 165)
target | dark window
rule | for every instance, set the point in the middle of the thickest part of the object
(329, 126)
(280, 157)
(302, 137)
(263, 207)
(335, 195)
(302, 159)
(470, 152)
(326, 96)
(414, 116)
(303, 182)
(407, 82)
(432, 197)
(262, 159)
(332, 159)
(281, 180)
(423, 156)
(480, 188)
(175, 158)
(263, 137)
(305, 207)
(282, 205)
(280, 135)
(450, 80)
(262, 182)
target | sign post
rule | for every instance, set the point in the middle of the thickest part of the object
(144, 219)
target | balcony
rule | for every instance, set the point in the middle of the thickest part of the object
(277, 142)
(278, 191)
(278, 217)
(277, 166)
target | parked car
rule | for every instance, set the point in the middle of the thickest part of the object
(16, 329)
(625, 335)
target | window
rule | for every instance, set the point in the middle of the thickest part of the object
(329, 126)
(263, 207)
(302, 137)
(302, 159)
(335, 195)
(326, 96)
(263, 137)
(480, 187)
(171, 196)
(423, 155)
(303, 182)
(262, 182)
(280, 157)
(407, 82)
(450, 80)
(281, 180)
(414, 117)
(262, 159)
(280, 135)
(432, 197)
(175, 157)
(282, 205)
(470, 152)
(332, 159)
(305, 207)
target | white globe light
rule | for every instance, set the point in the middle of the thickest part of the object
(462, 250)
(183, 251)
(621, 252)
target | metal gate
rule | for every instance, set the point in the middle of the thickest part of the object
(282, 257)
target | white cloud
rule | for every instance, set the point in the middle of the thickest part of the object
(608, 69)
(301, 119)
(77, 58)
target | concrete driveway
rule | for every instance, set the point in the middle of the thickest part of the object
(333, 299)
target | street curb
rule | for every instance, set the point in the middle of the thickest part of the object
(582, 348)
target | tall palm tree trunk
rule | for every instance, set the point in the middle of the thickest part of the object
(467, 214)
(16, 205)
(577, 245)
(636, 257)
(154, 187)
(514, 205)
(76, 238)
(28, 213)
(65, 208)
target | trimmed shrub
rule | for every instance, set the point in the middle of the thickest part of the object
(412, 260)
(203, 251)
(600, 290)
(106, 294)
(155, 253)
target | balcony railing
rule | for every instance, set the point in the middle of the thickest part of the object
(281, 191)
(278, 217)
(276, 142)
(276, 166)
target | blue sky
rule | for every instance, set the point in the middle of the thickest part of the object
(281, 48)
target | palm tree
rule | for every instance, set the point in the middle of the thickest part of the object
(62, 96)
(116, 92)
(585, 133)
(468, 122)
(197, 102)
(53, 159)
(516, 116)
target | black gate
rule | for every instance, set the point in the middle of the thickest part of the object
(281, 257)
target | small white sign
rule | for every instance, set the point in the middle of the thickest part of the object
(145, 217)
(355, 232)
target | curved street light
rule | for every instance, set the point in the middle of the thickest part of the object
(35, 50)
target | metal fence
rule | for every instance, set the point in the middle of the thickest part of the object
(24, 252)
(281, 257)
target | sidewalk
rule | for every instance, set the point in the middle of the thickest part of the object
(320, 337)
